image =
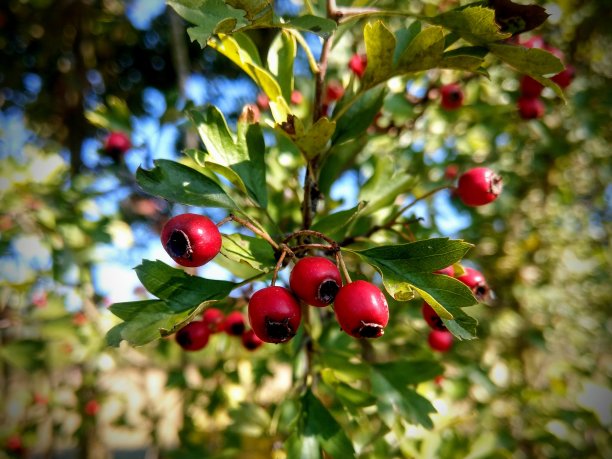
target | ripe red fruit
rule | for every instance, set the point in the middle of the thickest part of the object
(233, 324)
(358, 64)
(479, 186)
(361, 310)
(530, 87)
(250, 340)
(451, 96)
(213, 318)
(191, 240)
(564, 78)
(116, 144)
(451, 171)
(476, 281)
(440, 341)
(296, 97)
(14, 444)
(263, 101)
(315, 280)
(91, 408)
(274, 314)
(534, 42)
(432, 318)
(193, 336)
(334, 91)
(530, 108)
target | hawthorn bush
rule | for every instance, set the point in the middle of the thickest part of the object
(340, 321)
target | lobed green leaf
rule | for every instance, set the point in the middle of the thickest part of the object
(252, 251)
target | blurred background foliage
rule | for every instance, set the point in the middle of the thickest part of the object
(73, 223)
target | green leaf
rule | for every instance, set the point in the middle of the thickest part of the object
(180, 290)
(252, 251)
(316, 24)
(423, 52)
(244, 156)
(319, 423)
(26, 354)
(350, 396)
(312, 143)
(179, 183)
(281, 55)
(210, 17)
(380, 46)
(405, 372)
(343, 368)
(403, 38)
(359, 116)
(338, 225)
(302, 447)
(532, 61)
(474, 24)
(468, 58)
(462, 325)
(258, 12)
(199, 158)
(129, 309)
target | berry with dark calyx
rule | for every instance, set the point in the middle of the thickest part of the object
(193, 336)
(358, 64)
(274, 314)
(361, 310)
(191, 240)
(530, 108)
(530, 87)
(440, 341)
(116, 144)
(432, 318)
(479, 186)
(233, 324)
(315, 280)
(213, 318)
(451, 96)
(565, 77)
(250, 340)
(476, 281)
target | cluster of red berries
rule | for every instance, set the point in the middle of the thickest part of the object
(440, 339)
(360, 307)
(530, 106)
(195, 335)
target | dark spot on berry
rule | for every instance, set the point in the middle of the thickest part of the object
(455, 96)
(250, 345)
(327, 291)
(183, 339)
(279, 331)
(370, 330)
(439, 324)
(179, 246)
(480, 291)
(236, 329)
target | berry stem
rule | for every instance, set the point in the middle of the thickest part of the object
(278, 266)
(399, 213)
(301, 247)
(247, 224)
(342, 266)
(309, 232)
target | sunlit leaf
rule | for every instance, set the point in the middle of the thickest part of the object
(253, 251)
(475, 24)
(380, 46)
(281, 56)
(309, 23)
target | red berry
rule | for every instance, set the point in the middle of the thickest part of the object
(250, 340)
(530, 87)
(440, 341)
(534, 42)
(452, 96)
(358, 64)
(274, 314)
(14, 444)
(564, 78)
(315, 280)
(296, 97)
(479, 186)
(263, 101)
(451, 171)
(213, 318)
(476, 281)
(233, 324)
(79, 319)
(116, 144)
(530, 108)
(361, 309)
(193, 336)
(432, 318)
(449, 271)
(334, 91)
(91, 408)
(191, 240)
(438, 379)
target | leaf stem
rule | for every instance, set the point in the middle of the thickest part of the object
(397, 214)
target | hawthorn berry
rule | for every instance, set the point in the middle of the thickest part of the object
(213, 318)
(14, 444)
(361, 309)
(530, 88)
(479, 186)
(451, 96)
(250, 340)
(476, 281)
(91, 407)
(432, 318)
(274, 314)
(296, 97)
(534, 42)
(193, 336)
(565, 77)
(315, 280)
(440, 340)
(451, 171)
(358, 64)
(263, 101)
(191, 240)
(530, 108)
(233, 324)
(116, 144)
(334, 91)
